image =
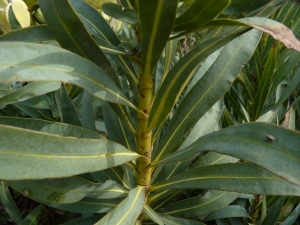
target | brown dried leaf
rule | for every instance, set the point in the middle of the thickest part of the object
(277, 30)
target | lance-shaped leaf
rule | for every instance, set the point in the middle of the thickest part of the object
(242, 6)
(49, 127)
(170, 220)
(29, 91)
(181, 73)
(61, 17)
(48, 63)
(98, 26)
(200, 205)
(68, 190)
(208, 90)
(228, 212)
(277, 30)
(156, 21)
(9, 204)
(34, 217)
(235, 177)
(263, 88)
(68, 110)
(128, 210)
(260, 143)
(88, 205)
(116, 11)
(199, 13)
(55, 156)
(152, 214)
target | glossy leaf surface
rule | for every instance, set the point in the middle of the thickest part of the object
(250, 142)
(128, 210)
(55, 156)
(68, 190)
(237, 177)
(47, 63)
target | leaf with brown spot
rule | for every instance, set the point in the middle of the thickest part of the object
(277, 30)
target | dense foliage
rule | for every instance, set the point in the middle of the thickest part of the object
(161, 112)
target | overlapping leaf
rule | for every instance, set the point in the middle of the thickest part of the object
(55, 156)
(208, 90)
(235, 177)
(128, 210)
(251, 142)
(68, 190)
(47, 63)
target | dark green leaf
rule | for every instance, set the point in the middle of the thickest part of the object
(252, 142)
(200, 205)
(228, 212)
(49, 127)
(199, 13)
(243, 6)
(207, 91)
(54, 155)
(170, 220)
(68, 190)
(9, 204)
(88, 205)
(69, 112)
(48, 63)
(156, 21)
(61, 17)
(34, 217)
(236, 177)
(128, 210)
(181, 73)
(116, 11)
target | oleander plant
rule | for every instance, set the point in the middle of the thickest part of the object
(131, 112)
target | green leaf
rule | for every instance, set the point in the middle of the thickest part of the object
(277, 30)
(50, 127)
(152, 214)
(9, 204)
(294, 82)
(21, 13)
(287, 66)
(199, 13)
(292, 217)
(156, 21)
(212, 158)
(181, 73)
(246, 83)
(69, 112)
(200, 205)
(88, 205)
(29, 91)
(97, 26)
(48, 63)
(116, 11)
(273, 213)
(250, 143)
(209, 89)
(128, 210)
(34, 217)
(87, 114)
(116, 131)
(235, 177)
(263, 88)
(68, 190)
(82, 221)
(170, 220)
(61, 17)
(228, 212)
(243, 6)
(55, 156)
